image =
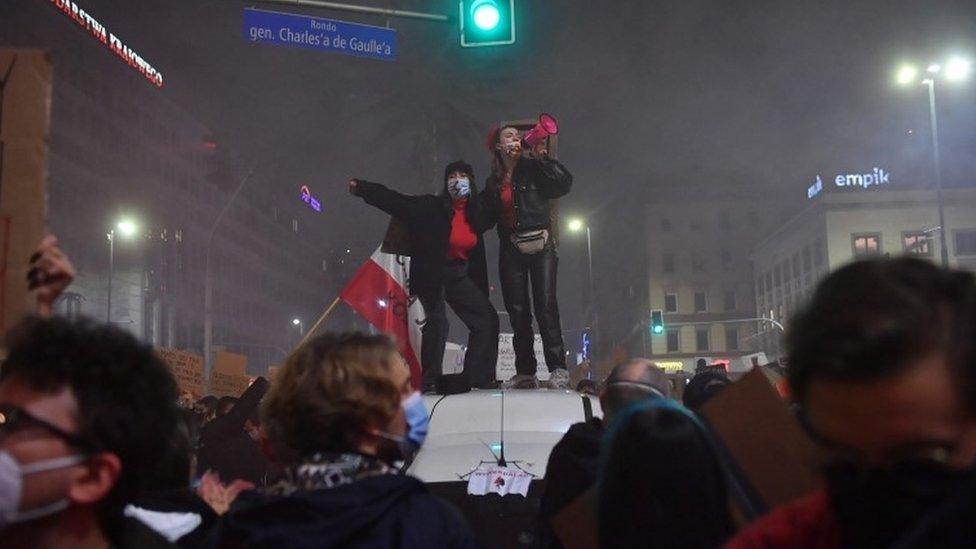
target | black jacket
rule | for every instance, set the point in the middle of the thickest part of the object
(535, 182)
(572, 469)
(226, 448)
(385, 511)
(429, 219)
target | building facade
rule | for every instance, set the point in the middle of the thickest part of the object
(122, 148)
(850, 223)
(700, 276)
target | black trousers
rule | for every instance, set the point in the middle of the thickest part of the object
(477, 313)
(515, 271)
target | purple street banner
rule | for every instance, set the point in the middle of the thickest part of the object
(318, 33)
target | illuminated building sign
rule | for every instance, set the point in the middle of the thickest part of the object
(814, 190)
(310, 200)
(670, 366)
(107, 38)
(855, 181)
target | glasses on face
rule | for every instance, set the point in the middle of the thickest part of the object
(933, 453)
(14, 418)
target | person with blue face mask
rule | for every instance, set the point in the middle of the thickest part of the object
(342, 418)
(447, 267)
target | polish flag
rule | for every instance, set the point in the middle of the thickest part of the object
(378, 292)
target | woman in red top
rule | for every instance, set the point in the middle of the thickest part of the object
(518, 194)
(447, 265)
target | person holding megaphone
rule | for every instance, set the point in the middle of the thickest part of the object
(523, 180)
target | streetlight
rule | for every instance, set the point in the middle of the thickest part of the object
(127, 229)
(576, 225)
(301, 326)
(956, 69)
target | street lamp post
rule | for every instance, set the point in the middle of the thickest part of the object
(933, 119)
(125, 228)
(208, 281)
(577, 225)
(955, 69)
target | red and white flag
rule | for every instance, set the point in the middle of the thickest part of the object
(378, 292)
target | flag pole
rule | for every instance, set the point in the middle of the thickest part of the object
(325, 315)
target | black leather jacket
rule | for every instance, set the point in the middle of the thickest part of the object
(536, 182)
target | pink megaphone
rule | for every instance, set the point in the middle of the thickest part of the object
(547, 126)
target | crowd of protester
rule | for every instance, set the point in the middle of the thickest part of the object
(97, 449)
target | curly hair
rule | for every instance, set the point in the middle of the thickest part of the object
(127, 398)
(329, 392)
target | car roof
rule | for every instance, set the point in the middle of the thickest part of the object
(465, 430)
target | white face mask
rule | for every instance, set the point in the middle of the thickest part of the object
(12, 483)
(459, 188)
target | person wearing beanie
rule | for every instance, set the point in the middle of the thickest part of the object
(447, 266)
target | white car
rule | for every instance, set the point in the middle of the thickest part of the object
(471, 429)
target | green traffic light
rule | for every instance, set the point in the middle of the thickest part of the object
(485, 14)
(659, 329)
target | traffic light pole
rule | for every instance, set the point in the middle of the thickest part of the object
(339, 6)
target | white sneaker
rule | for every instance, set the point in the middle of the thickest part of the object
(521, 381)
(559, 379)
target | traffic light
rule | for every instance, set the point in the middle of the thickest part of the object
(657, 322)
(486, 22)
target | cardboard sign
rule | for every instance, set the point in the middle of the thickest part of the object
(25, 100)
(505, 367)
(186, 367)
(764, 438)
(229, 376)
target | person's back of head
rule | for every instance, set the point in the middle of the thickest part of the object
(207, 407)
(586, 387)
(630, 382)
(108, 408)
(330, 393)
(225, 404)
(660, 482)
(703, 386)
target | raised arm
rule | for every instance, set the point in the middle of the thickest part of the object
(379, 196)
(555, 179)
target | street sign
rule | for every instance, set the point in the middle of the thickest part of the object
(318, 33)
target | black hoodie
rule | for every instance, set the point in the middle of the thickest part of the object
(385, 511)
(571, 471)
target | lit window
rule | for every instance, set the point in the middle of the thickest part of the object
(917, 244)
(866, 245)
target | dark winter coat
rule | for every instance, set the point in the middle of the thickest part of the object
(428, 218)
(384, 511)
(224, 446)
(572, 469)
(535, 182)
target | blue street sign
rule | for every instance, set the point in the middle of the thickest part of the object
(317, 33)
